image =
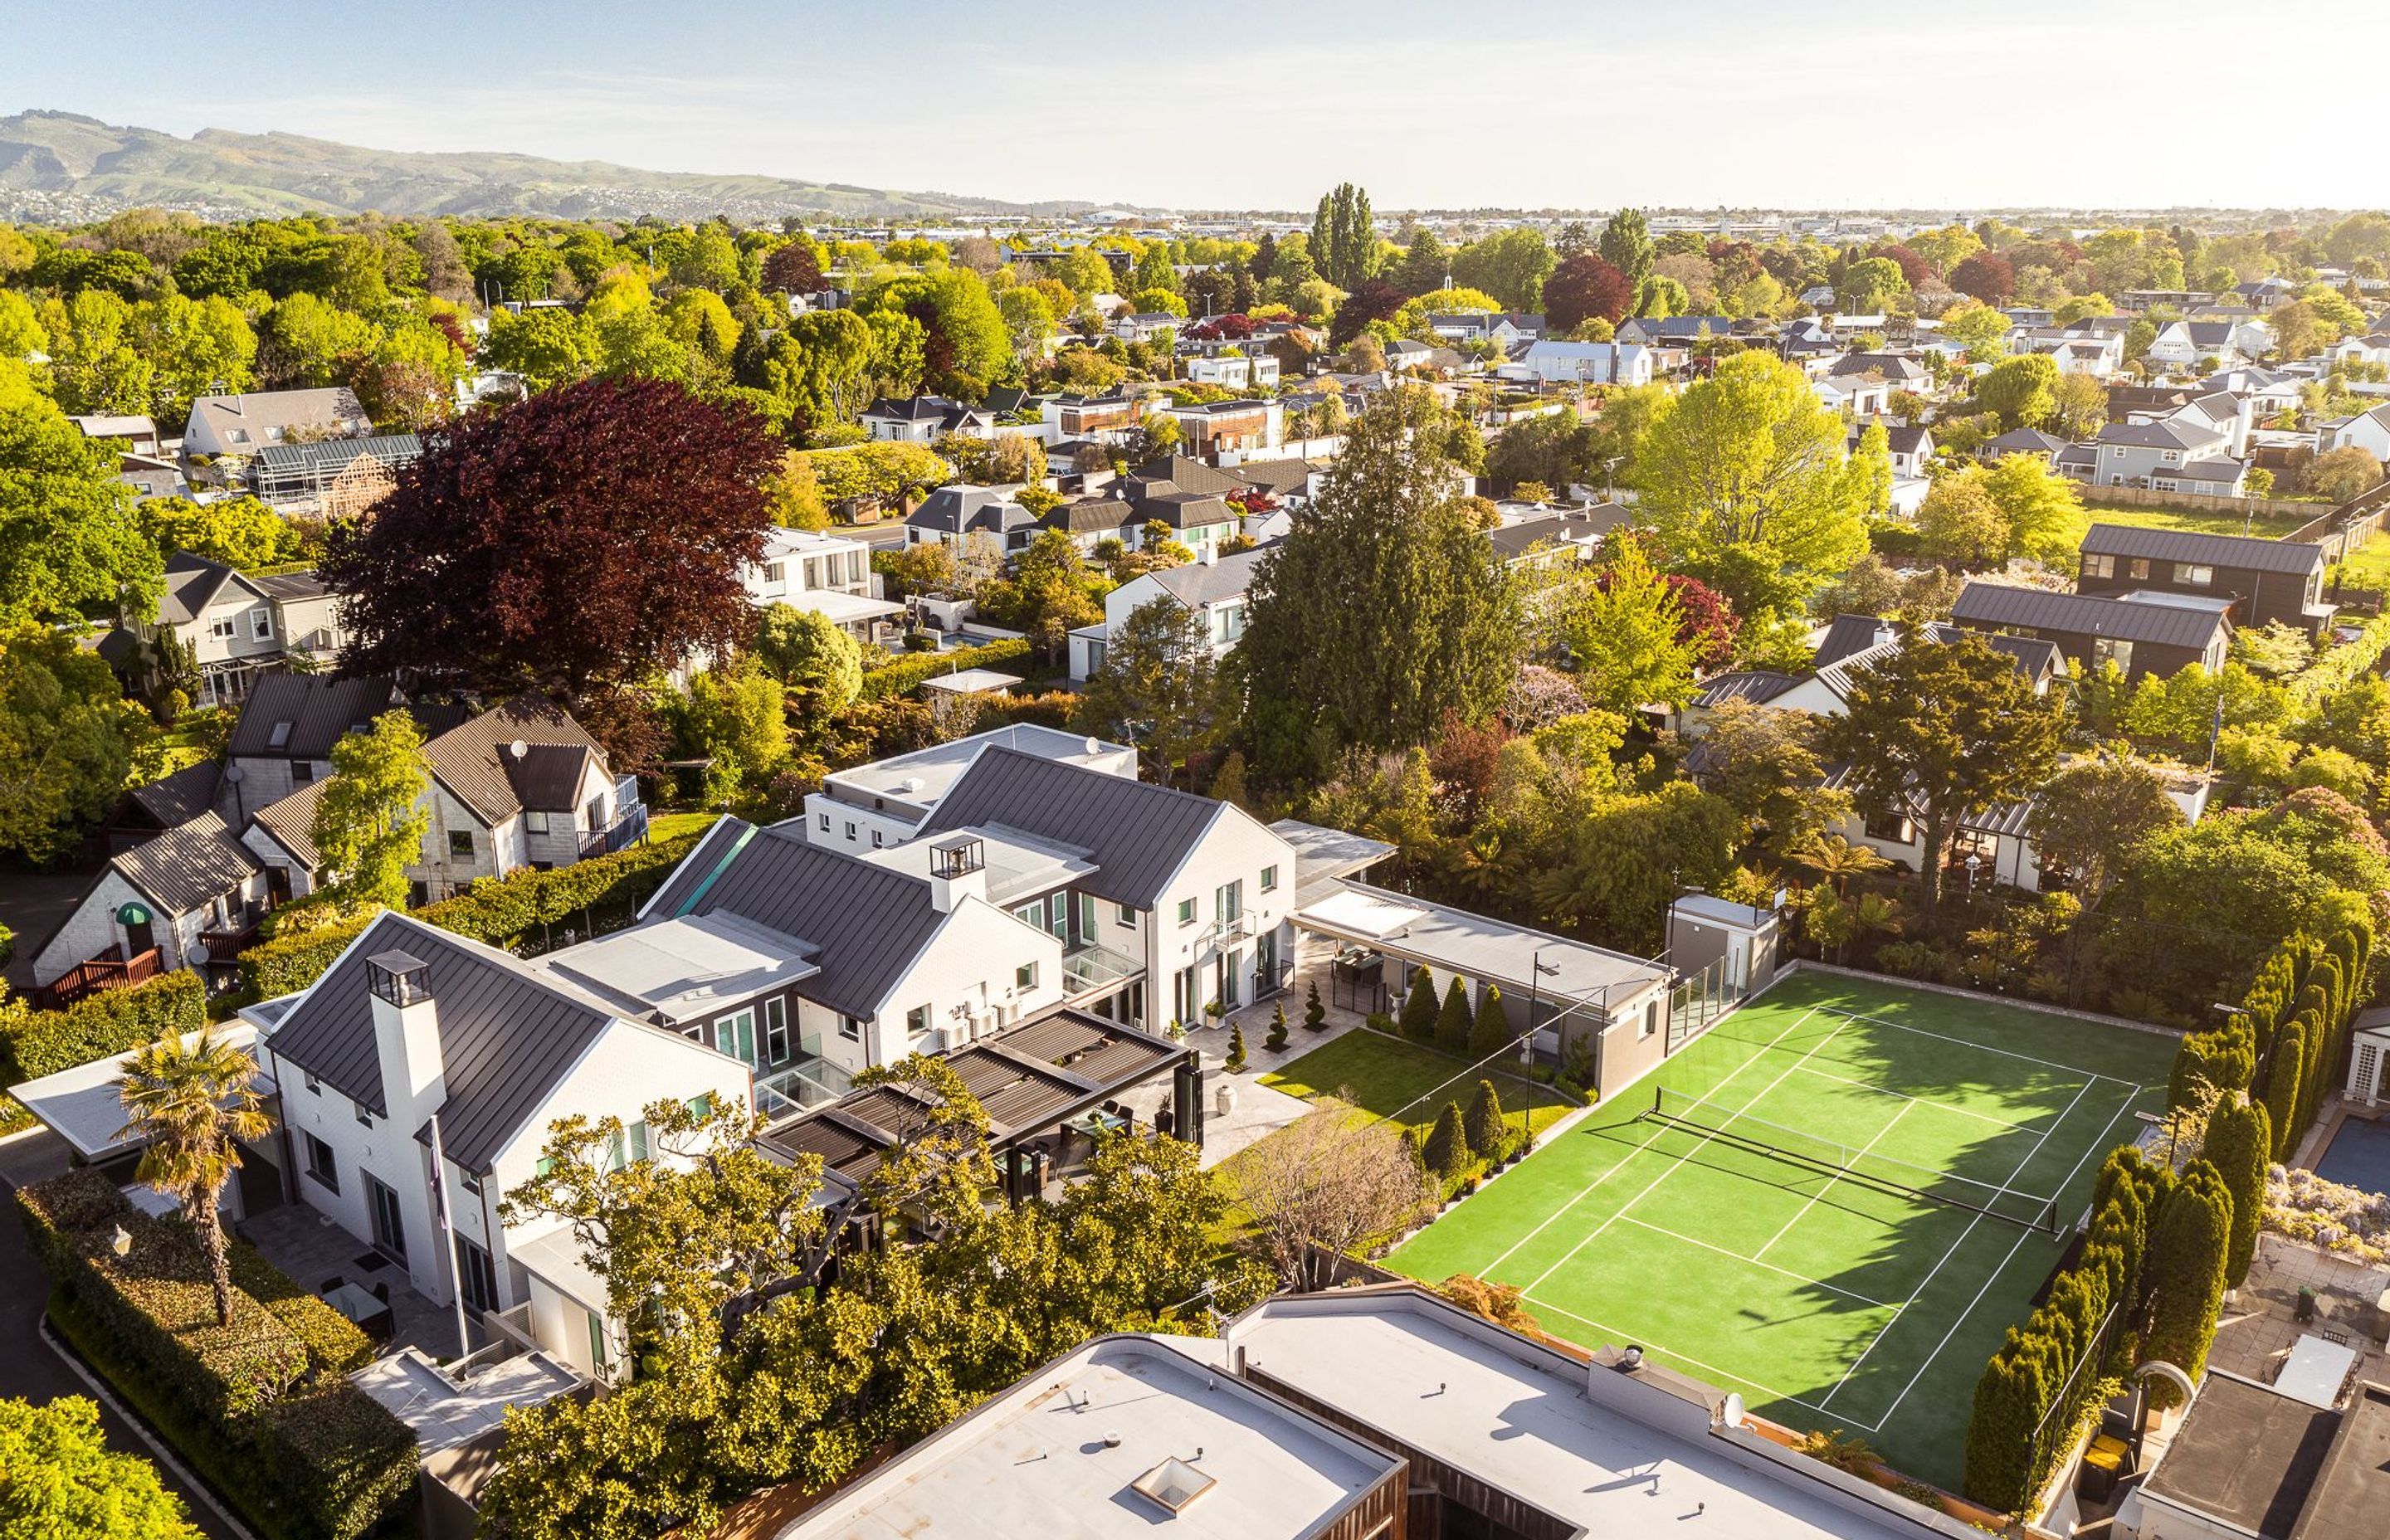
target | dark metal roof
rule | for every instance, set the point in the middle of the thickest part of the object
(507, 1036)
(868, 922)
(333, 454)
(320, 710)
(1846, 634)
(549, 775)
(1756, 685)
(185, 868)
(2245, 552)
(192, 585)
(1139, 834)
(181, 797)
(474, 761)
(1986, 605)
(291, 822)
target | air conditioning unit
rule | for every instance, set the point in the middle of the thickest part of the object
(952, 1035)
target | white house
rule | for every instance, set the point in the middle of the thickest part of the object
(240, 627)
(422, 1061)
(1213, 590)
(921, 419)
(2185, 344)
(2369, 431)
(829, 574)
(868, 807)
(184, 896)
(1547, 360)
(246, 424)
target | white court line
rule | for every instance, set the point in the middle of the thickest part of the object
(1755, 1261)
(1583, 1191)
(1728, 1375)
(1898, 1113)
(2010, 1123)
(1927, 1281)
(1970, 1042)
(2103, 1148)
(1671, 1169)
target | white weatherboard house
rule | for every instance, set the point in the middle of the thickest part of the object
(868, 807)
(420, 1076)
(154, 908)
(1213, 591)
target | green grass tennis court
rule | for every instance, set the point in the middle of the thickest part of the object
(1830, 1302)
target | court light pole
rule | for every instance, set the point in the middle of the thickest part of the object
(1536, 971)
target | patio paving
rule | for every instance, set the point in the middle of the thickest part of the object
(299, 1240)
(2260, 1324)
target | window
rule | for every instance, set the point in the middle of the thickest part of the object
(638, 1133)
(735, 1034)
(1025, 976)
(364, 1117)
(2140, 569)
(303, 772)
(470, 1182)
(261, 625)
(917, 1022)
(775, 572)
(1186, 911)
(2099, 566)
(222, 629)
(315, 1087)
(2197, 573)
(824, 823)
(775, 1029)
(701, 1106)
(1269, 879)
(878, 838)
(320, 1164)
(535, 822)
(2107, 649)
(280, 737)
(850, 830)
(479, 1279)
(1891, 826)
(543, 1167)
(1126, 916)
(850, 1029)
(460, 842)
(1228, 902)
(1651, 1017)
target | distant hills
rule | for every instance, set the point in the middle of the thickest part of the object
(63, 166)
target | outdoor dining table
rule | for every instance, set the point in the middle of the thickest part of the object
(2315, 1371)
(358, 1303)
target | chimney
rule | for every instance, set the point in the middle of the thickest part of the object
(406, 1036)
(958, 871)
(1884, 633)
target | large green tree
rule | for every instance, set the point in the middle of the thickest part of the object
(2088, 814)
(368, 827)
(1158, 687)
(2190, 1249)
(1382, 610)
(1939, 731)
(1746, 483)
(1343, 236)
(66, 741)
(69, 543)
(1627, 246)
(61, 1480)
(1626, 629)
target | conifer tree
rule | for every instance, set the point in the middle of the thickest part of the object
(1419, 1006)
(1452, 1024)
(1276, 1041)
(1492, 1032)
(2239, 1145)
(1487, 1132)
(2188, 1247)
(1446, 1151)
(1315, 1014)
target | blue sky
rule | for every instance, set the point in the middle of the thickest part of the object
(1231, 103)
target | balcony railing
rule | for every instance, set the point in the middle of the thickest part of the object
(225, 945)
(629, 828)
(111, 969)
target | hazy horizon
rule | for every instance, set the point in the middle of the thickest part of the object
(1861, 105)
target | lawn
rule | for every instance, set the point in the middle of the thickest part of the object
(2217, 522)
(1810, 1227)
(1395, 1078)
(2368, 565)
(672, 826)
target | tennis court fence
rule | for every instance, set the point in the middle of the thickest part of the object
(2029, 1211)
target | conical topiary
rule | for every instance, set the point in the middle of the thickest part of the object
(1490, 1033)
(1446, 1151)
(1488, 1134)
(1276, 1041)
(1235, 1059)
(1314, 1015)
(1452, 1024)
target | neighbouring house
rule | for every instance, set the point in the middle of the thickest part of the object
(1234, 371)
(2369, 431)
(1145, 325)
(288, 723)
(1155, 884)
(1910, 446)
(1213, 591)
(1104, 418)
(191, 896)
(419, 1077)
(152, 476)
(311, 472)
(241, 627)
(884, 803)
(923, 419)
(1895, 369)
(1673, 331)
(2100, 357)
(1549, 361)
(2269, 580)
(2143, 632)
(951, 514)
(1854, 396)
(2251, 1459)
(126, 435)
(2372, 349)
(1192, 498)
(829, 574)
(2189, 345)
(1508, 327)
(2175, 455)
(245, 425)
(1228, 430)
(2044, 447)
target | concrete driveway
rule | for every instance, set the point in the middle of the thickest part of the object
(30, 1368)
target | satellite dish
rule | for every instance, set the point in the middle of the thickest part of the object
(1094, 745)
(1731, 1413)
(518, 747)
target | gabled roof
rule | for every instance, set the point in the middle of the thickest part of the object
(291, 822)
(301, 715)
(1756, 685)
(1200, 582)
(186, 866)
(1993, 604)
(2169, 435)
(2026, 441)
(509, 1035)
(1137, 834)
(961, 509)
(193, 583)
(259, 412)
(867, 922)
(181, 797)
(476, 762)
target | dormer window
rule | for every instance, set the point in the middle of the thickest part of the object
(280, 737)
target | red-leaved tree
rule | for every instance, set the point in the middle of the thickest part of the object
(1986, 275)
(1709, 622)
(792, 269)
(1913, 267)
(1371, 299)
(573, 544)
(1580, 289)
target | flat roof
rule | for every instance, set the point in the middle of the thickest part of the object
(1059, 1456)
(443, 1412)
(86, 1107)
(920, 779)
(2245, 1454)
(1322, 854)
(969, 680)
(1018, 865)
(1455, 940)
(686, 967)
(2352, 1493)
(1526, 1421)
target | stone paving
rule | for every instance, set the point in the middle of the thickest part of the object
(295, 1238)
(2260, 1322)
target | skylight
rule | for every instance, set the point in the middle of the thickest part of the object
(1173, 1484)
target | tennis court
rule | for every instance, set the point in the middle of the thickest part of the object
(1847, 1192)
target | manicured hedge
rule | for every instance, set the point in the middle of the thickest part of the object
(262, 1408)
(907, 674)
(100, 1025)
(497, 910)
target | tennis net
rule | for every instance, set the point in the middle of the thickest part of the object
(2029, 1211)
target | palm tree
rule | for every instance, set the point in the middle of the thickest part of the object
(191, 1101)
(1836, 860)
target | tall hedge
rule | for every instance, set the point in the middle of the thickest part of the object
(262, 1407)
(2282, 1085)
(910, 672)
(495, 910)
(101, 1025)
(2239, 1145)
(2189, 1244)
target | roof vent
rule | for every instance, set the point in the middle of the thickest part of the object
(912, 784)
(1174, 1485)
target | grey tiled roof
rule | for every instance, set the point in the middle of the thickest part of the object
(192, 584)
(868, 922)
(2246, 552)
(507, 1036)
(1992, 604)
(186, 866)
(1139, 834)
(1200, 582)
